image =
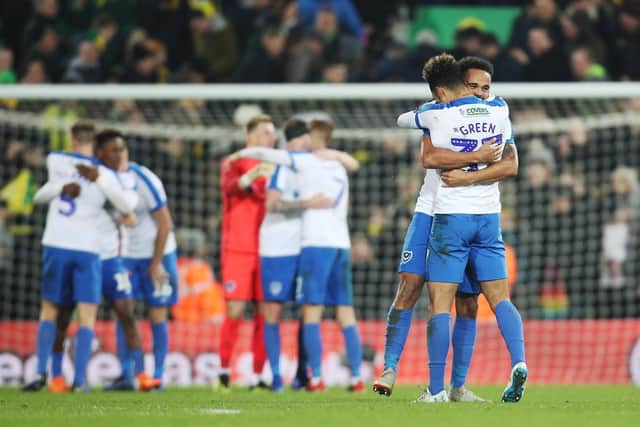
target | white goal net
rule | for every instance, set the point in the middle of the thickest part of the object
(570, 219)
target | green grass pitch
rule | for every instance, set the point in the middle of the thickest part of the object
(545, 406)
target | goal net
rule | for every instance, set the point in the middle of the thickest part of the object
(570, 219)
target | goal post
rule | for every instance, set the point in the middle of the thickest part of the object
(570, 219)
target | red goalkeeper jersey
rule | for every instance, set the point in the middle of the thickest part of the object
(243, 210)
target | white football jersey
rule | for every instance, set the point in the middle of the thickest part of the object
(72, 223)
(427, 196)
(140, 240)
(326, 228)
(109, 227)
(280, 233)
(463, 125)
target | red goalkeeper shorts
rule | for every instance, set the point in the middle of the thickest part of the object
(241, 276)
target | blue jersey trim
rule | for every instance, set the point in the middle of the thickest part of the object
(273, 182)
(293, 162)
(77, 156)
(154, 192)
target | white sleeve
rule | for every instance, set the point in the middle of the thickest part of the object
(112, 189)
(270, 155)
(46, 193)
(407, 120)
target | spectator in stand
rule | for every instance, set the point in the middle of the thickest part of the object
(85, 67)
(214, 42)
(201, 296)
(339, 47)
(49, 50)
(143, 67)
(262, 61)
(547, 61)
(34, 73)
(7, 75)
(629, 20)
(467, 41)
(584, 68)
(305, 59)
(506, 68)
(344, 10)
(111, 41)
(45, 15)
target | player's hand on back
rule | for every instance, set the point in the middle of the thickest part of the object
(89, 172)
(128, 220)
(318, 201)
(325, 154)
(71, 190)
(490, 152)
(455, 178)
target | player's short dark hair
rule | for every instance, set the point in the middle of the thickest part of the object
(295, 128)
(324, 127)
(469, 62)
(255, 121)
(106, 135)
(442, 70)
(83, 131)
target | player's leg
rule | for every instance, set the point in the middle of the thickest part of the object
(159, 297)
(237, 279)
(87, 293)
(489, 264)
(411, 271)
(446, 263)
(314, 270)
(278, 285)
(340, 295)
(258, 348)
(463, 340)
(56, 276)
(57, 383)
(302, 376)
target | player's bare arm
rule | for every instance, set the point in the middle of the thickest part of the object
(165, 225)
(294, 207)
(347, 160)
(503, 169)
(442, 158)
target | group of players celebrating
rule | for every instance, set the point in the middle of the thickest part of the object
(108, 234)
(285, 237)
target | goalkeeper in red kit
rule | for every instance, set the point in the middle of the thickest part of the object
(243, 185)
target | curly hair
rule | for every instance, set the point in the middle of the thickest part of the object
(442, 70)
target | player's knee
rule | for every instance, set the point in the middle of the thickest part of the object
(158, 314)
(48, 311)
(235, 309)
(409, 291)
(346, 316)
(467, 306)
(87, 315)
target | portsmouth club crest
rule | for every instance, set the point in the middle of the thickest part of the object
(275, 288)
(406, 257)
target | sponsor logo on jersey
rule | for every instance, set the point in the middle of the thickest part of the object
(474, 111)
(230, 286)
(275, 288)
(406, 257)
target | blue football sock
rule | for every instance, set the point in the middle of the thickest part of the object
(160, 347)
(354, 349)
(83, 352)
(398, 324)
(56, 364)
(510, 324)
(272, 343)
(122, 350)
(438, 347)
(463, 341)
(46, 335)
(138, 361)
(313, 347)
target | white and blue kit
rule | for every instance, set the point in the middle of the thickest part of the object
(115, 279)
(139, 242)
(280, 236)
(72, 240)
(466, 225)
(324, 272)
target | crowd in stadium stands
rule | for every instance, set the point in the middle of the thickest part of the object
(260, 41)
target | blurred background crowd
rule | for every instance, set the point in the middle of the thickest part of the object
(260, 41)
(571, 218)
